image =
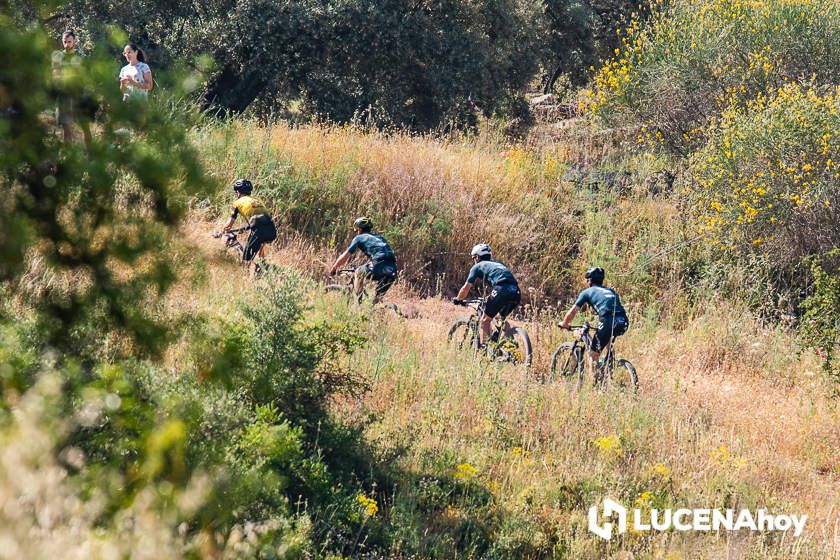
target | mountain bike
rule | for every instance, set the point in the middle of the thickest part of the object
(506, 343)
(568, 363)
(345, 286)
(232, 242)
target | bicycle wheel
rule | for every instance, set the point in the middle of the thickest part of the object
(514, 347)
(462, 335)
(623, 376)
(567, 363)
(338, 288)
(393, 307)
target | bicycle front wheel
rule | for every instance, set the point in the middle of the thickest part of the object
(462, 335)
(567, 363)
(337, 288)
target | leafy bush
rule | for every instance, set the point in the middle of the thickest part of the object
(696, 58)
(767, 176)
(820, 327)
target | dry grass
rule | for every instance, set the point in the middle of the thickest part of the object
(728, 430)
(432, 198)
(729, 415)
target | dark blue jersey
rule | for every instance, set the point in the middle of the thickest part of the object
(374, 246)
(603, 300)
(492, 272)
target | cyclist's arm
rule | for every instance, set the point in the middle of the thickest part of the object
(464, 291)
(231, 220)
(340, 261)
(567, 320)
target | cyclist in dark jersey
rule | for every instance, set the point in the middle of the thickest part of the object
(606, 303)
(505, 295)
(259, 220)
(382, 267)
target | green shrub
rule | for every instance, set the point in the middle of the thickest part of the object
(820, 327)
(767, 178)
(694, 59)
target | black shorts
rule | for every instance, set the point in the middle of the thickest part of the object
(607, 329)
(383, 273)
(262, 231)
(502, 301)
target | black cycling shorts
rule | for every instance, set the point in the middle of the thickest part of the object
(383, 273)
(502, 301)
(262, 231)
(607, 329)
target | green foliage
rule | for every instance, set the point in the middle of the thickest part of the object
(820, 327)
(92, 214)
(696, 58)
(385, 62)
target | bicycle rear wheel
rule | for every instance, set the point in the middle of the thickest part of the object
(623, 376)
(514, 347)
(463, 335)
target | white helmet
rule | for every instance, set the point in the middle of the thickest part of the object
(481, 250)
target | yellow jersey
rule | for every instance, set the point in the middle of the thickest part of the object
(248, 207)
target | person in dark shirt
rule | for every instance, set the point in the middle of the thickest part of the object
(505, 295)
(62, 63)
(382, 267)
(606, 303)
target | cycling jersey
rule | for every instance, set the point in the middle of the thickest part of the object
(492, 272)
(373, 246)
(248, 207)
(603, 300)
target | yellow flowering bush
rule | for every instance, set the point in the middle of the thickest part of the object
(369, 506)
(609, 446)
(695, 58)
(767, 177)
(465, 472)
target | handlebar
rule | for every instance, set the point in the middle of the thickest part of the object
(584, 326)
(470, 302)
(219, 234)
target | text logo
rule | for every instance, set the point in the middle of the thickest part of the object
(702, 519)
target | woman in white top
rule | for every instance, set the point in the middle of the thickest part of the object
(136, 76)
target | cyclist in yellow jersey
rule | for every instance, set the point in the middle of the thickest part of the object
(258, 218)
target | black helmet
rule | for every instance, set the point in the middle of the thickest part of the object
(364, 223)
(243, 185)
(596, 274)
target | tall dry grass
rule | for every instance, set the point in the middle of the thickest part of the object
(729, 414)
(434, 199)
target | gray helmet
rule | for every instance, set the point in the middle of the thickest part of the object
(481, 250)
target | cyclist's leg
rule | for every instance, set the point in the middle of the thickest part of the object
(362, 272)
(385, 274)
(501, 302)
(252, 248)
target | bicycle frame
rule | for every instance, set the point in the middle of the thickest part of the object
(585, 340)
(475, 320)
(231, 240)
